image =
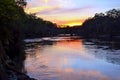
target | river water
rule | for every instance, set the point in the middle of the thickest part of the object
(72, 58)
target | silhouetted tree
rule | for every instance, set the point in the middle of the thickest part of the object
(102, 24)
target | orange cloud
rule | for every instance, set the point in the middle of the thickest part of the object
(57, 11)
(37, 9)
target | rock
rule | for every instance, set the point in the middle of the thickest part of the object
(24, 77)
(11, 75)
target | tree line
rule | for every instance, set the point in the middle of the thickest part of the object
(16, 25)
(102, 25)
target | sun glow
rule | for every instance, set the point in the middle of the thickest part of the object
(45, 1)
(74, 24)
(70, 23)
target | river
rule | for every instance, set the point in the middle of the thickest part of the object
(72, 58)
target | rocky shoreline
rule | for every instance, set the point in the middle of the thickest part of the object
(11, 69)
(10, 73)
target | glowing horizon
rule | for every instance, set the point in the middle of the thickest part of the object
(69, 12)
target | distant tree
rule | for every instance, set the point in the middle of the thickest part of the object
(102, 24)
(21, 3)
(114, 13)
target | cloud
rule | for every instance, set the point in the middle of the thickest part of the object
(41, 6)
(54, 6)
(40, 9)
(58, 11)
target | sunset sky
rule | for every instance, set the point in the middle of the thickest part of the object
(69, 12)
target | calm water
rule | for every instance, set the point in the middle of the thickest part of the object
(72, 58)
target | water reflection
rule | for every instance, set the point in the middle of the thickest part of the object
(107, 50)
(70, 58)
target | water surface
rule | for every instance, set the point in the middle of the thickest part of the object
(72, 58)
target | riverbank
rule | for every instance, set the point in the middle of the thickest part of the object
(8, 71)
(11, 69)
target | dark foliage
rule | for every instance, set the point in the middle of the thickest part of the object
(37, 27)
(15, 25)
(102, 25)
